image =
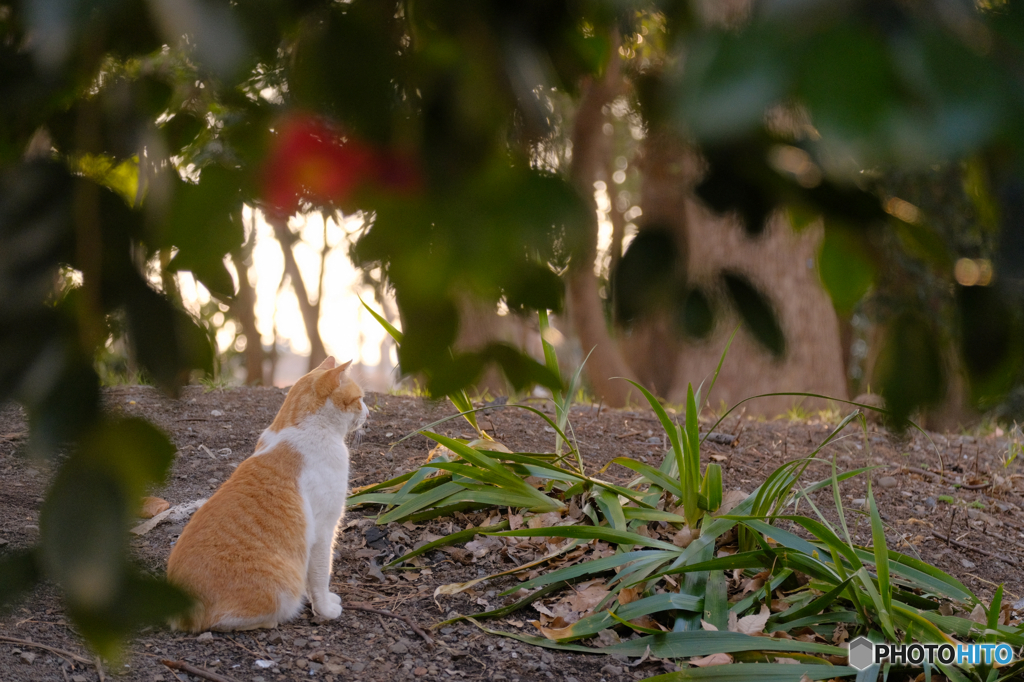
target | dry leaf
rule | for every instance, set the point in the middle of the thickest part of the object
(730, 500)
(707, 626)
(752, 625)
(783, 659)
(515, 521)
(752, 585)
(713, 659)
(488, 445)
(719, 458)
(586, 599)
(978, 615)
(840, 635)
(544, 520)
(627, 595)
(683, 538)
(607, 637)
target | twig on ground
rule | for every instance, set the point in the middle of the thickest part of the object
(359, 606)
(192, 670)
(60, 652)
(976, 486)
(957, 543)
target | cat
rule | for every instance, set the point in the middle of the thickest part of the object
(264, 540)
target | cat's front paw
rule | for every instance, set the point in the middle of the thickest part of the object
(330, 608)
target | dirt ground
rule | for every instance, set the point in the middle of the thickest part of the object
(215, 430)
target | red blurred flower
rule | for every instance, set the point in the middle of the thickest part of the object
(313, 160)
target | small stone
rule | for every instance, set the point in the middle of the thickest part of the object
(335, 668)
(859, 502)
(314, 668)
(653, 439)
(358, 667)
(967, 563)
(263, 663)
(399, 647)
(205, 637)
(275, 638)
(259, 678)
(216, 413)
(27, 657)
(151, 506)
(83, 678)
(611, 670)
(888, 482)
(31, 528)
(919, 508)
(301, 663)
(299, 643)
(1003, 507)
(973, 514)
(930, 502)
(419, 672)
(3, 542)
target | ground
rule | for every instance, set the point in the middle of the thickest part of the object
(214, 430)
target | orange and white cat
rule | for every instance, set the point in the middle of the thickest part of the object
(264, 541)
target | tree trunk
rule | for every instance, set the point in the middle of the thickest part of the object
(310, 312)
(584, 302)
(244, 309)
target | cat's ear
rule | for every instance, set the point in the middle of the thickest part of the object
(330, 363)
(345, 365)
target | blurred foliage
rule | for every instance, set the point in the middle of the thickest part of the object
(127, 152)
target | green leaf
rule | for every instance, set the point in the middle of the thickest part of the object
(594, 623)
(588, 533)
(845, 266)
(688, 645)
(453, 539)
(766, 672)
(881, 552)
(594, 567)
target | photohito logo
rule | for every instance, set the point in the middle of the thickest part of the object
(864, 652)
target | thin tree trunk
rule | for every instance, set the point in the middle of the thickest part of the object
(310, 312)
(585, 307)
(244, 309)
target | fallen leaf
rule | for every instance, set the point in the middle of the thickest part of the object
(730, 500)
(713, 659)
(840, 635)
(147, 526)
(628, 595)
(978, 615)
(783, 659)
(586, 599)
(708, 626)
(683, 538)
(752, 625)
(515, 521)
(544, 520)
(607, 637)
(375, 571)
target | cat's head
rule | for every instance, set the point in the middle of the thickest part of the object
(327, 391)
